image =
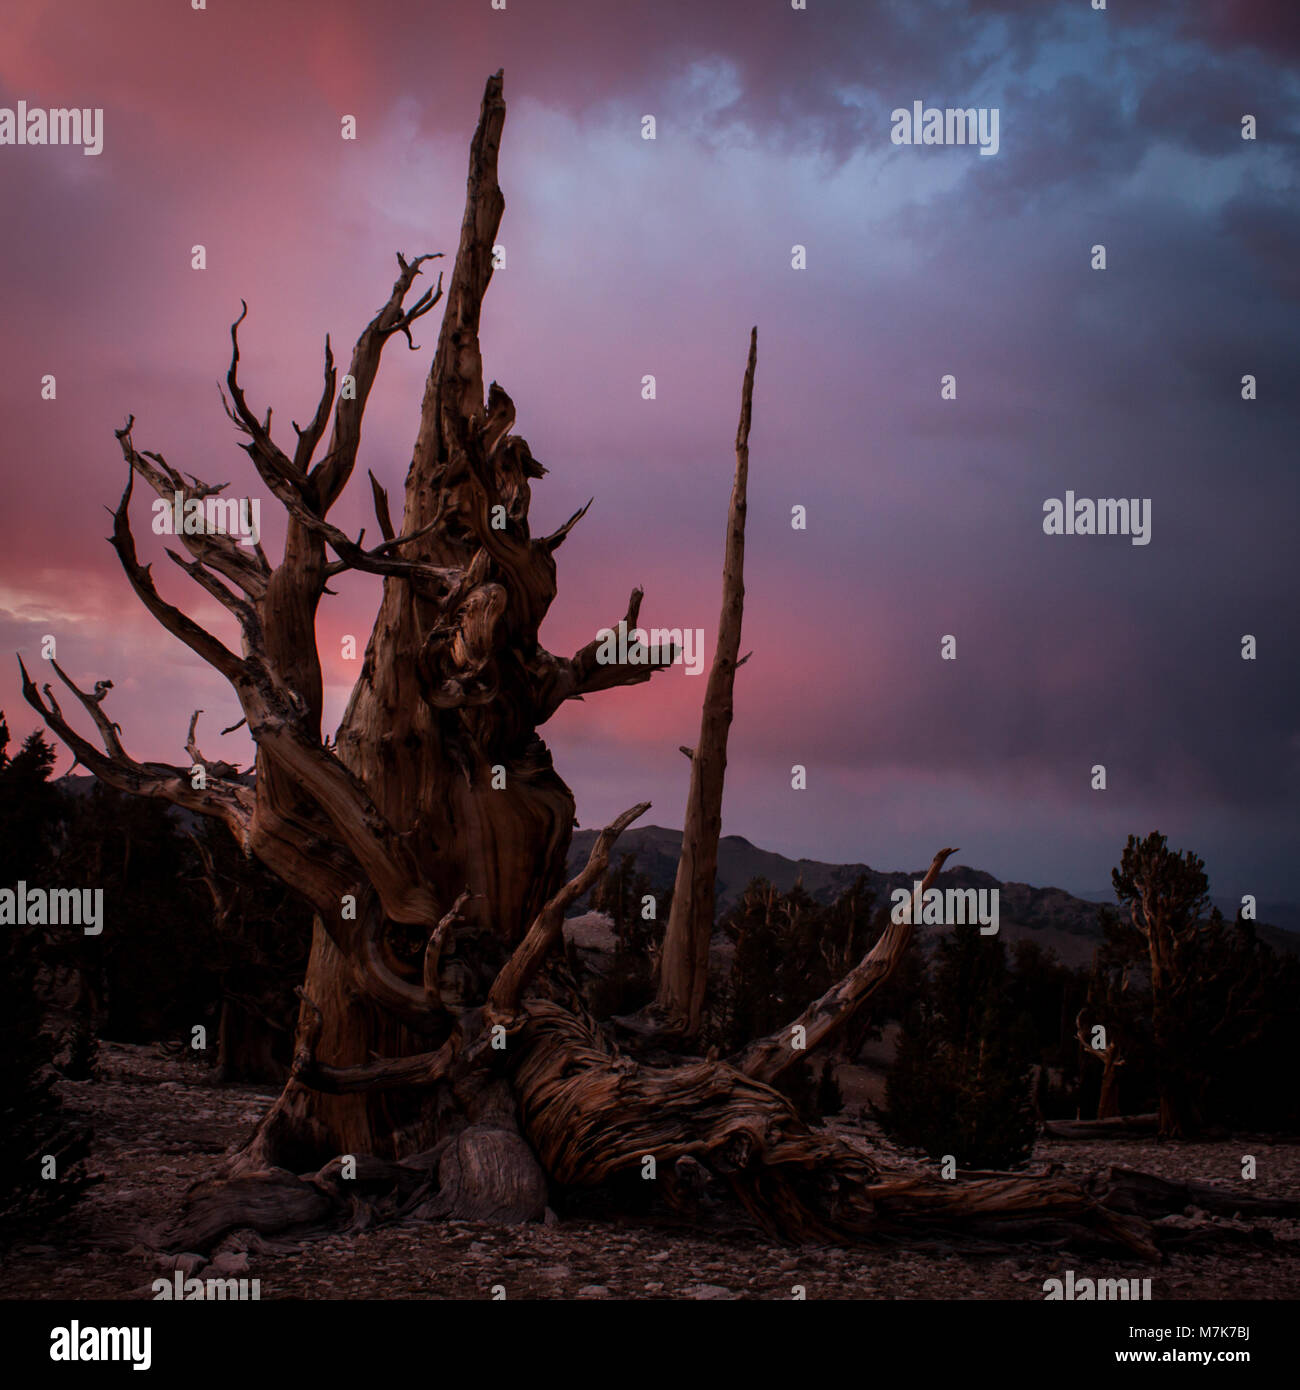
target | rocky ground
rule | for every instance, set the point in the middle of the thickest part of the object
(159, 1126)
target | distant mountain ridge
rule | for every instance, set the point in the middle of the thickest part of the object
(1283, 915)
(1054, 918)
(1064, 922)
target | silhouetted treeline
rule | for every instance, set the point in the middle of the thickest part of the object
(42, 1149)
(993, 1038)
(1181, 1012)
(198, 947)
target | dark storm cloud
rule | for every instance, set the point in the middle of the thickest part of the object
(925, 517)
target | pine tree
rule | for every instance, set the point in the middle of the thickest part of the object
(42, 1151)
(961, 1081)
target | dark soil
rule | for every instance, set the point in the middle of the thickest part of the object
(160, 1125)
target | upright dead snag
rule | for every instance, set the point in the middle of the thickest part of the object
(684, 966)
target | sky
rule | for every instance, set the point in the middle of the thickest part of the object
(628, 257)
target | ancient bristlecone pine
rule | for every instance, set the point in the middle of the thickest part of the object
(430, 835)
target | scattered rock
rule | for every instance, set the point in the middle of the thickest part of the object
(147, 1150)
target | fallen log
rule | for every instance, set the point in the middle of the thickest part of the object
(1116, 1127)
(1143, 1194)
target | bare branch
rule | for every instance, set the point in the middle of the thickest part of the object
(523, 965)
(198, 639)
(108, 731)
(309, 438)
(375, 561)
(385, 517)
(230, 803)
(767, 1058)
(351, 556)
(270, 459)
(213, 769)
(556, 538)
(584, 673)
(247, 567)
(242, 610)
(330, 476)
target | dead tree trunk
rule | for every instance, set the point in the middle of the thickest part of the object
(1116, 1127)
(684, 965)
(429, 837)
(1111, 1061)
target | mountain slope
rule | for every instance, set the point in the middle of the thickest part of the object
(1057, 920)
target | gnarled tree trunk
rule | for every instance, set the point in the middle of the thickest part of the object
(430, 838)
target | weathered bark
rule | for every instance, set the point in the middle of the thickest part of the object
(430, 839)
(684, 964)
(592, 1113)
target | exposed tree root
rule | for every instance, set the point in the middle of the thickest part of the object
(264, 1202)
(592, 1114)
(486, 1172)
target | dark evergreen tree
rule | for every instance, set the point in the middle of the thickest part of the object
(42, 1149)
(623, 895)
(789, 950)
(830, 1099)
(1216, 1016)
(961, 1081)
(1050, 994)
